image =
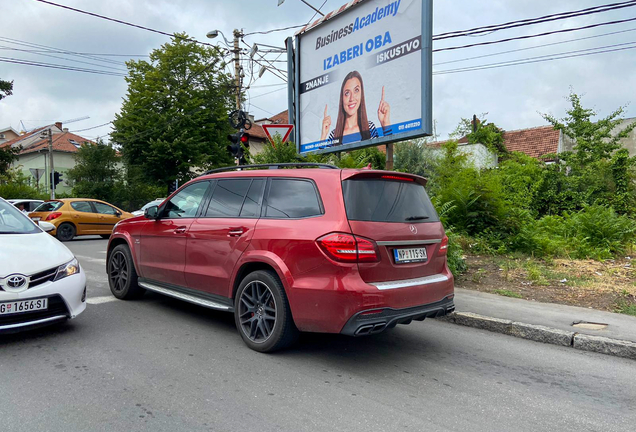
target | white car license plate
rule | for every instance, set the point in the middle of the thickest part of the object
(20, 306)
(36, 219)
(403, 256)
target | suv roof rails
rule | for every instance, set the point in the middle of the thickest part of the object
(273, 166)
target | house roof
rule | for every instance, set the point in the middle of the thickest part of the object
(62, 141)
(535, 142)
(257, 130)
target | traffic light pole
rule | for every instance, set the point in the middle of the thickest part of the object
(51, 167)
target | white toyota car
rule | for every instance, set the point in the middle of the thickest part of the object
(41, 281)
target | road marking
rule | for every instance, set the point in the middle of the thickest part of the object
(91, 259)
(100, 300)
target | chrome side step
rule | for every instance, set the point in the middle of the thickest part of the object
(185, 297)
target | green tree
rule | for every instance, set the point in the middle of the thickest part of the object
(415, 157)
(6, 88)
(594, 140)
(7, 156)
(489, 135)
(596, 171)
(174, 119)
(95, 174)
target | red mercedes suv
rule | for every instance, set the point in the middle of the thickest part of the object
(315, 248)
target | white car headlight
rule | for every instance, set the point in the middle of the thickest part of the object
(70, 268)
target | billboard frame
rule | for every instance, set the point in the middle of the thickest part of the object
(293, 68)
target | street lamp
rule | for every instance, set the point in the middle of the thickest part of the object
(214, 33)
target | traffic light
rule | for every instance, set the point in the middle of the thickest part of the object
(238, 141)
(54, 179)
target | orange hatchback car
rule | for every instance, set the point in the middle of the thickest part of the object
(79, 216)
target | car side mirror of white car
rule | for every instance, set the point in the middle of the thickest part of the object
(46, 226)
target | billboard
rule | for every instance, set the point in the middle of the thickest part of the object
(363, 76)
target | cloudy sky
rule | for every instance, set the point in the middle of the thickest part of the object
(513, 96)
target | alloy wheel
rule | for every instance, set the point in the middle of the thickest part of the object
(257, 311)
(118, 271)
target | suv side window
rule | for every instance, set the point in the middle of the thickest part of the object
(292, 198)
(186, 202)
(228, 197)
(82, 206)
(253, 200)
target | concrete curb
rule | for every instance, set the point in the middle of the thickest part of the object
(545, 334)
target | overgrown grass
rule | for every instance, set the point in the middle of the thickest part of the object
(626, 307)
(508, 293)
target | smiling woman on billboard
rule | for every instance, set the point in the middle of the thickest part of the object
(352, 124)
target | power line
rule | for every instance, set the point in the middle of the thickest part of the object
(66, 59)
(270, 92)
(124, 22)
(273, 30)
(534, 47)
(94, 127)
(549, 57)
(535, 35)
(539, 20)
(49, 48)
(56, 66)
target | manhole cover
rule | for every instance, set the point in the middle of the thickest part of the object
(589, 325)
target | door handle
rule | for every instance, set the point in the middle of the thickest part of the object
(180, 230)
(236, 232)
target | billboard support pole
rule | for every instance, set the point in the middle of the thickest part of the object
(291, 77)
(389, 157)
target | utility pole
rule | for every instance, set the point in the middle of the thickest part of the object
(51, 167)
(237, 68)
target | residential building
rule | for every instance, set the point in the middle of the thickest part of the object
(33, 159)
(8, 134)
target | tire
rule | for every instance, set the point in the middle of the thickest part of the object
(65, 232)
(105, 236)
(122, 276)
(262, 313)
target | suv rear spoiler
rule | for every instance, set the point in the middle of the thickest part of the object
(351, 174)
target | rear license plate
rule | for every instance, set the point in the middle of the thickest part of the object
(403, 256)
(36, 219)
(20, 306)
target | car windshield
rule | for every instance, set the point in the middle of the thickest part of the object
(49, 206)
(13, 221)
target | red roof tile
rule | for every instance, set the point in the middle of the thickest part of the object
(64, 142)
(535, 142)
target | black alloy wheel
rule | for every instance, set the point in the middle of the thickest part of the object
(118, 271)
(262, 312)
(65, 232)
(122, 276)
(257, 311)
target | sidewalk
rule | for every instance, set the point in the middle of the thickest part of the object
(546, 322)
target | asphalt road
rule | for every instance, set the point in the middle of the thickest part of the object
(158, 364)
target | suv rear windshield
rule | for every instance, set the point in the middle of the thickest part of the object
(49, 206)
(378, 200)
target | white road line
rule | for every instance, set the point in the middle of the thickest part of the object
(91, 259)
(100, 300)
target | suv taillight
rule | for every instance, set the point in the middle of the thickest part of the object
(53, 215)
(443, 247)
(348, 248)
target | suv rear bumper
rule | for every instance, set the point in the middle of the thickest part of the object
(377, 320)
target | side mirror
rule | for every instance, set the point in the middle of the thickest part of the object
(46, 226)
(151, 212)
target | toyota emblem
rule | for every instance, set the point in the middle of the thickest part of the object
(16, 283)
(413, 229)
